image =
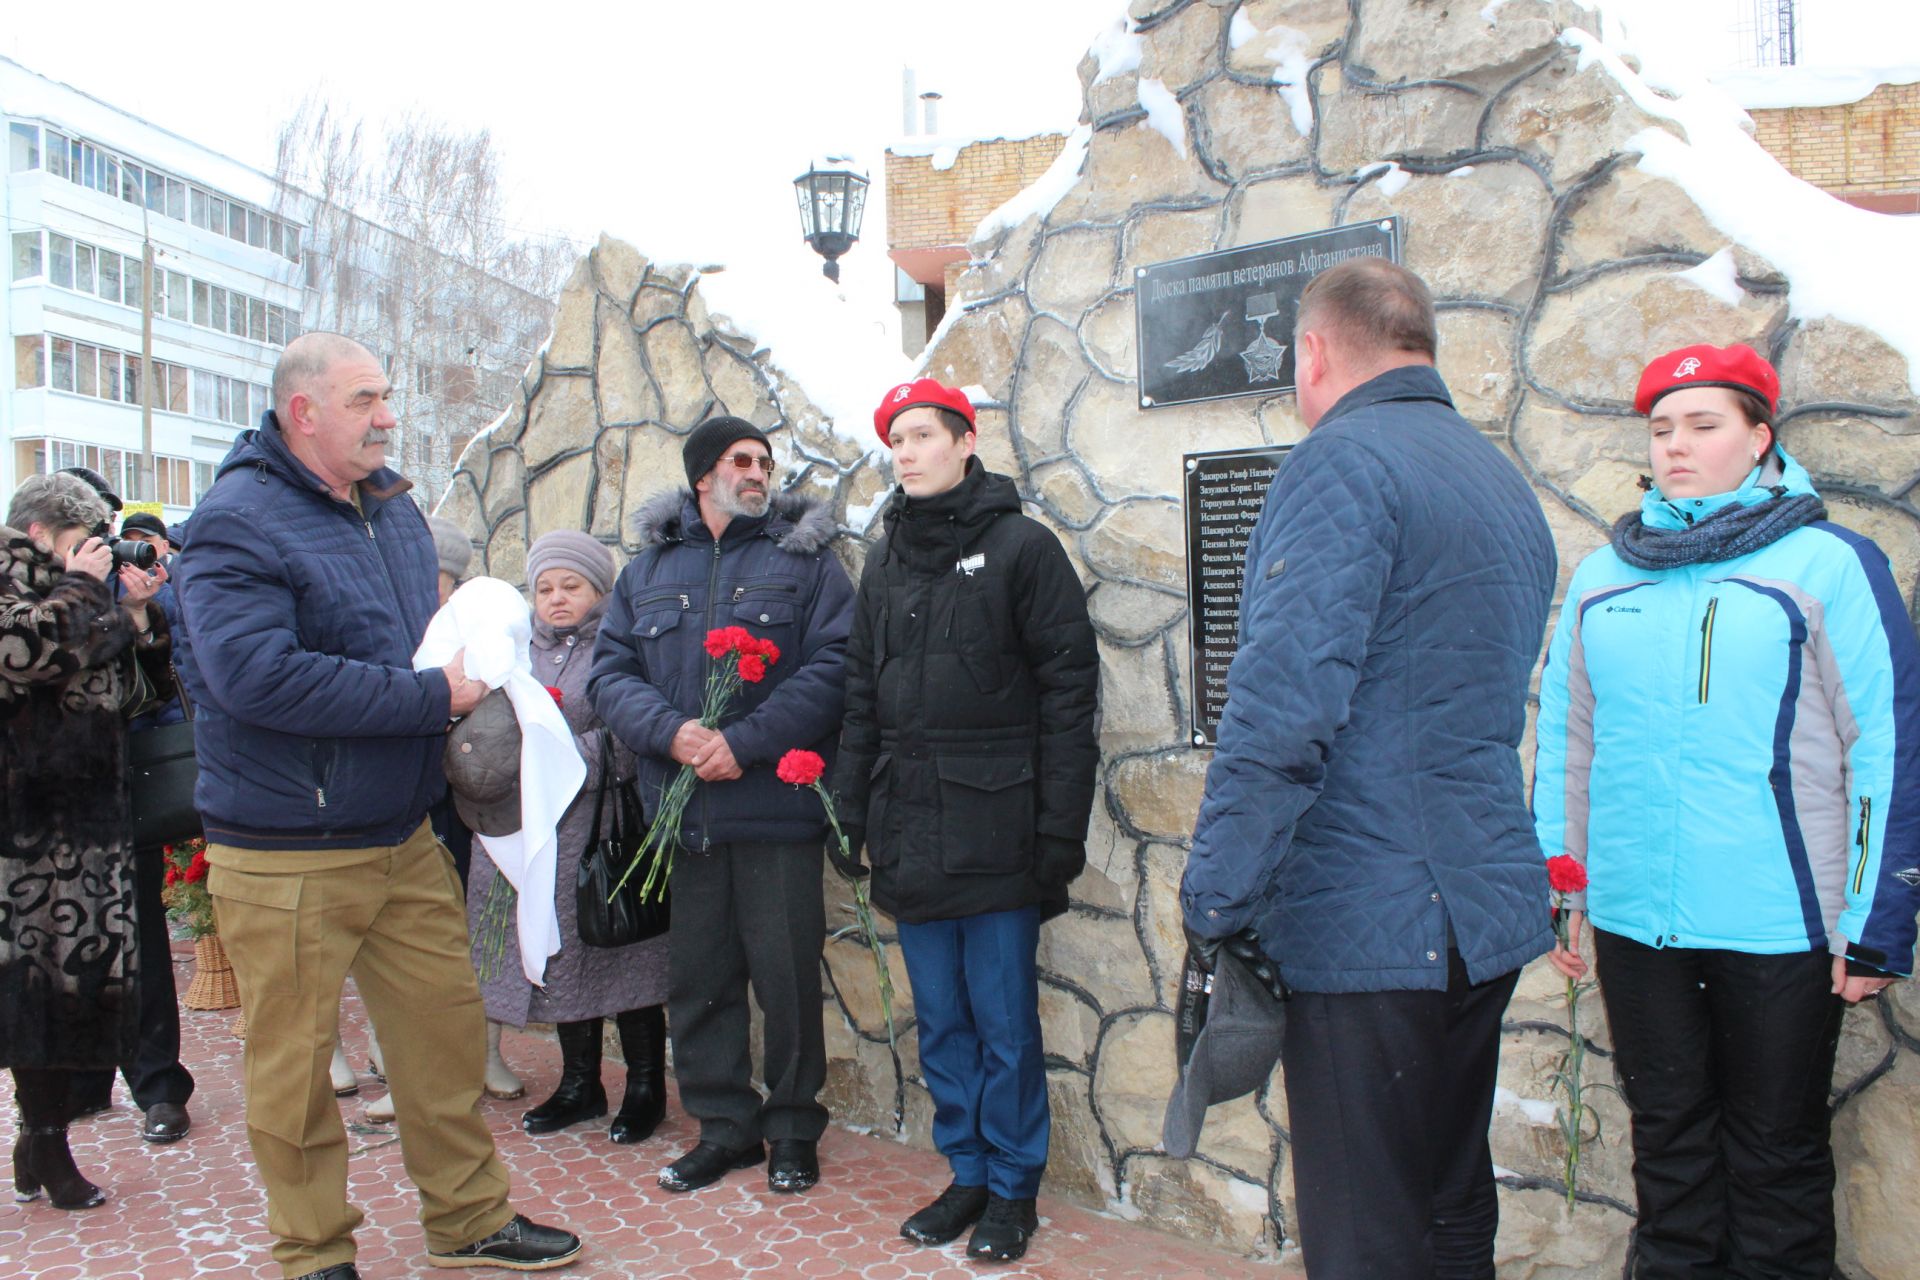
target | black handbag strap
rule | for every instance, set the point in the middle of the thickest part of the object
(606, 783)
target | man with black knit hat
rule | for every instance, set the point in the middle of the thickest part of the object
(746, 881)
(967, 767)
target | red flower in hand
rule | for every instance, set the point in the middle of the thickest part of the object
(801, 768)
(197, 871)
(1566, 874)
(722, 641)
(763, 649)
(753, 668)
(559, 698)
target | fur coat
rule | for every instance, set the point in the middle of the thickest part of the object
(67, 945)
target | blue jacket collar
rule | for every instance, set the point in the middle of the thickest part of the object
(265, 447)
(1409, 382)
(1778, 478)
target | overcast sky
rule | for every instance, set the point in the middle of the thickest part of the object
(681, 125)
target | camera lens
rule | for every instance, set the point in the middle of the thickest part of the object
(141, 555)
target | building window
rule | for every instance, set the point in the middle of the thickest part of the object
(86, 369)
(27, 263)
(60, 369)
(109, 282)
(29, 358)
(83, 267)
(23, 147)
(179, 296)
(202, 478)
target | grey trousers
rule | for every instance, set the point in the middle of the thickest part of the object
(748, 914)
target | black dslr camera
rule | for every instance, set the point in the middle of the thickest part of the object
(141, 555)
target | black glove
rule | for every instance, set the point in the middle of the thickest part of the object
(848, 863)
(1056, 862)
(1196, 982)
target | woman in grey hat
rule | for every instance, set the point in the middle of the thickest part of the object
(571, 573)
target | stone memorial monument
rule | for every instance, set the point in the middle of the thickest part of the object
(1541, 188)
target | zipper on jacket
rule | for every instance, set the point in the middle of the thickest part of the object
(758, 587)
(713, 591)
(370, 533)
(1706, 646)
(1860, 838)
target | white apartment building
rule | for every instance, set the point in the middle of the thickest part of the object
(241, 265)
(87, 188)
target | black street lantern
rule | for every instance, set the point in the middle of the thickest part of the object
(833, 196)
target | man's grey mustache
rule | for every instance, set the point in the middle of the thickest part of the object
(377, 437)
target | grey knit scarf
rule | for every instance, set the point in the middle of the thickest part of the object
(1728, 533)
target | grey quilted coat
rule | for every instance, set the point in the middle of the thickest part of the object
(1365, 804)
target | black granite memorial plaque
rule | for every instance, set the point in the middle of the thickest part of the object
(1222, 500)
(1221, 324)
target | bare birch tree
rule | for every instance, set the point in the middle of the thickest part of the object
(409, 251)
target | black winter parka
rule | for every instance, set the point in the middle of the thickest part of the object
(969, 754)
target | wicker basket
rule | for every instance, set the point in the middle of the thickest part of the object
(213, 985)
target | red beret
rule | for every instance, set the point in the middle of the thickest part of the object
(1738, 367)
(913, 395)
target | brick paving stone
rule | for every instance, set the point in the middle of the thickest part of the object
(194, 1209)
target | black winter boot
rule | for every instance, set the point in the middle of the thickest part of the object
(579, 1095)
(643, 1039)
(41, 1158)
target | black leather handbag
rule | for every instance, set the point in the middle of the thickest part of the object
(609, 917)
(161, 772)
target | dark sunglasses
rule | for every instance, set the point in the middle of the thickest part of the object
(741, 461)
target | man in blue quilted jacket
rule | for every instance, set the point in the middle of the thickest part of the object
(307, 588)
(1364, 813)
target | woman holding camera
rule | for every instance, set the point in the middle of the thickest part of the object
(68, 680)
(1729, 738)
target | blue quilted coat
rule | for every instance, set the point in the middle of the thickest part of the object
(312, 728)
(1365, 805)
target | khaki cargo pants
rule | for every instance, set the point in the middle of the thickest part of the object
(295, 924)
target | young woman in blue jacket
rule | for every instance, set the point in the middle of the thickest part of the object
(1729, 739)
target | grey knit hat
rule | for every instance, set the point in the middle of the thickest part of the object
(452, 546)
(571, 549)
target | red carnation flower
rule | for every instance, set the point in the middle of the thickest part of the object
(197, 871)
(1566, 874)
(753, 668)
(801, 768)
(559, 698)
(766, 649)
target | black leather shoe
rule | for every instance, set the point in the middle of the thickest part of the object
(793, 1164)
(952, 1211)
(338, 1271)
(519, 1246)
(1004, 1230)
(166, 1122)
(706, 1164)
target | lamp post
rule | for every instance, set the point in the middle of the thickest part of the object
(833, 197)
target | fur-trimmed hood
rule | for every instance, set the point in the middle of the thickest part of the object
(798, 524)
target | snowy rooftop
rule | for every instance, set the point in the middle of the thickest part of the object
(1771, 88)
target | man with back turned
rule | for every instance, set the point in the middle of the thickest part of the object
(1364, 813)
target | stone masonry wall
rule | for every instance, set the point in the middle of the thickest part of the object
(1556, 263)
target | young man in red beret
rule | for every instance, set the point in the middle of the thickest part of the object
(967, 768)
